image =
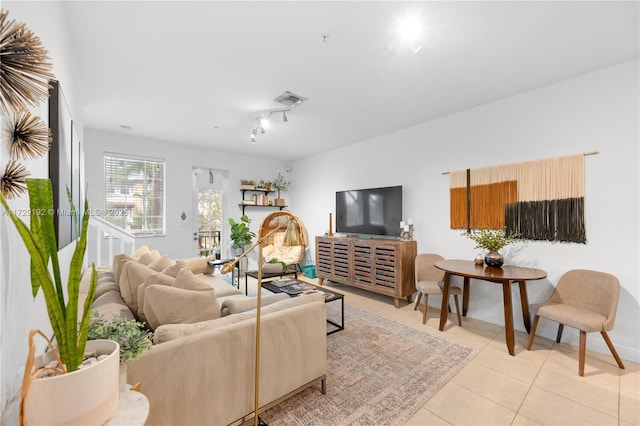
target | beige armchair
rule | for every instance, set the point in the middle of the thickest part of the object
(429, 281)
(583, 299)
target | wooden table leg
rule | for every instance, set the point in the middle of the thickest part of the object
(524, 300)
(508, 316)
(444, 309)
(465, 297)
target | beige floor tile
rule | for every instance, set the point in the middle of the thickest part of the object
(460, 406)
(550, 409)
(521, 420)
(564, 358)
(492, 384)
(630, 409)
(571, 386)
(425, 417)
(519, 367)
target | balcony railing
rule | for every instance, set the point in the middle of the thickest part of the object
(105, 240)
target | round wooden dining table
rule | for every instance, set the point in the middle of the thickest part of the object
(504, 275)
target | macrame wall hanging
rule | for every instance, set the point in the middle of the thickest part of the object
(537, 200)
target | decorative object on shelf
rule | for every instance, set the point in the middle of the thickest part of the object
(130, 334)
(31, 137)
(479, 260)
(70, 329)
(406, 230)
(491, 240)
(330, 232)
(280, 183)
(247, 184)
(25, 67)
(13, 182)
(291, 238)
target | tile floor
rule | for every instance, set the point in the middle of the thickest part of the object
(537, 387)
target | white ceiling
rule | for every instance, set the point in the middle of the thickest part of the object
(200, 72)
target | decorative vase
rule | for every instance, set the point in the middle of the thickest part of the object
(88, 396)
(494, 259)
(479, 260)
(279, 202)
(272, 268)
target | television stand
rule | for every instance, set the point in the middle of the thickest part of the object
(382, 266)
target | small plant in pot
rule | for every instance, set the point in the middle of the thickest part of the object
(280, 183)
(70, 327)
(131, 335)
(492, 240)
(273, 265)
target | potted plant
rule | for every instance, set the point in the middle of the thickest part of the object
(241, 234)
(273, 265)
(280, 183)
(70, 327)
(491, 240)
(247, 184)
(131, 335)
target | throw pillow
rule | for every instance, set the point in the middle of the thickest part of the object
(118, 262)
(148, 258)
(168, 332)
(186, 280)
(142, 250)
(161, 263)
(175, 268)
(154, 279)
(133, 275)
(200, 265)
(171, 305)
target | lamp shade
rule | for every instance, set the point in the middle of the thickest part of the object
(292, 235)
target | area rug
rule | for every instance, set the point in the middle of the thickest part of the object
(380, 372)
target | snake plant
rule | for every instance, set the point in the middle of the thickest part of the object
(40, 240)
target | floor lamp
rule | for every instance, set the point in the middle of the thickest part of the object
(291, 238)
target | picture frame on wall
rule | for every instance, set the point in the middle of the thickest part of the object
(64, 165)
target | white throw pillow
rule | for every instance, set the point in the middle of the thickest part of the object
(172, 305)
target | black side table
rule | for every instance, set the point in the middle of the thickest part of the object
(268, 276)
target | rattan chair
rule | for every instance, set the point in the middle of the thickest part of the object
(586, 300)
(272, 245)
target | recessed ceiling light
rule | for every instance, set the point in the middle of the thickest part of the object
(409, 31)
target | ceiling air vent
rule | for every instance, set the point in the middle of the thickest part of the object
(290, 100)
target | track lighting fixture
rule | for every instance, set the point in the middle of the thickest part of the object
(284, 116)
(263, 122)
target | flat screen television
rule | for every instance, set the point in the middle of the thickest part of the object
(373, 211)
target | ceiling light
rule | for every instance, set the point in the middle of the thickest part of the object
(264, 123)
(409, 31)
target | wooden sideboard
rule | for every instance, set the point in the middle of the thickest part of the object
(378, 265)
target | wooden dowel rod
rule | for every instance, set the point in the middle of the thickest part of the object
(584, 153)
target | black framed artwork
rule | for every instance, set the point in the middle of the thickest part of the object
(64, 164)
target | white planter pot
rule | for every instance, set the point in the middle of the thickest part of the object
(88, 396)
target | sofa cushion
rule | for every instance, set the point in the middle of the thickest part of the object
(118, 262)
(133, 275)
(148, 258)
(159, 278)
(200, 265)
(242, 304)
(106, 283)
(175, 268)
(186, 280)
(172, 305)
(168, 332)
(111, 304)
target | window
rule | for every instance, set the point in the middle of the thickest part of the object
(134, 193)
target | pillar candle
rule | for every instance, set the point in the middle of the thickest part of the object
(330, 224)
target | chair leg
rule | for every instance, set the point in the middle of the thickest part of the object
(533, 331)
(582, 352)
(424, 311)
(560, 329)
(605, 336)
(415, 307)
(455, 299)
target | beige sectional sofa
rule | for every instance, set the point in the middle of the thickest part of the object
(200, 370)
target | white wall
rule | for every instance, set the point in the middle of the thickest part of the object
(180, 160)
(593, 112)
(19, 311)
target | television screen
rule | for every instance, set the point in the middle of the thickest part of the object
(374, 211)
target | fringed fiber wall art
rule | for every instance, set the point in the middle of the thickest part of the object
(537, 200)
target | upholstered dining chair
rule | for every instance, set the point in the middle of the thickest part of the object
(429, 281)
(583, 299)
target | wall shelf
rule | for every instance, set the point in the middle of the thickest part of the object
(262, 192)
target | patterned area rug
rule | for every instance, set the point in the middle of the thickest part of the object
(380, 372)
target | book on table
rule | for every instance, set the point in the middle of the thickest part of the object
(283, 282)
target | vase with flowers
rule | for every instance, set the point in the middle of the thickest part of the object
(491, 240)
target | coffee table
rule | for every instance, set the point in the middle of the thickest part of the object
(329, 296)
(268, 276)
